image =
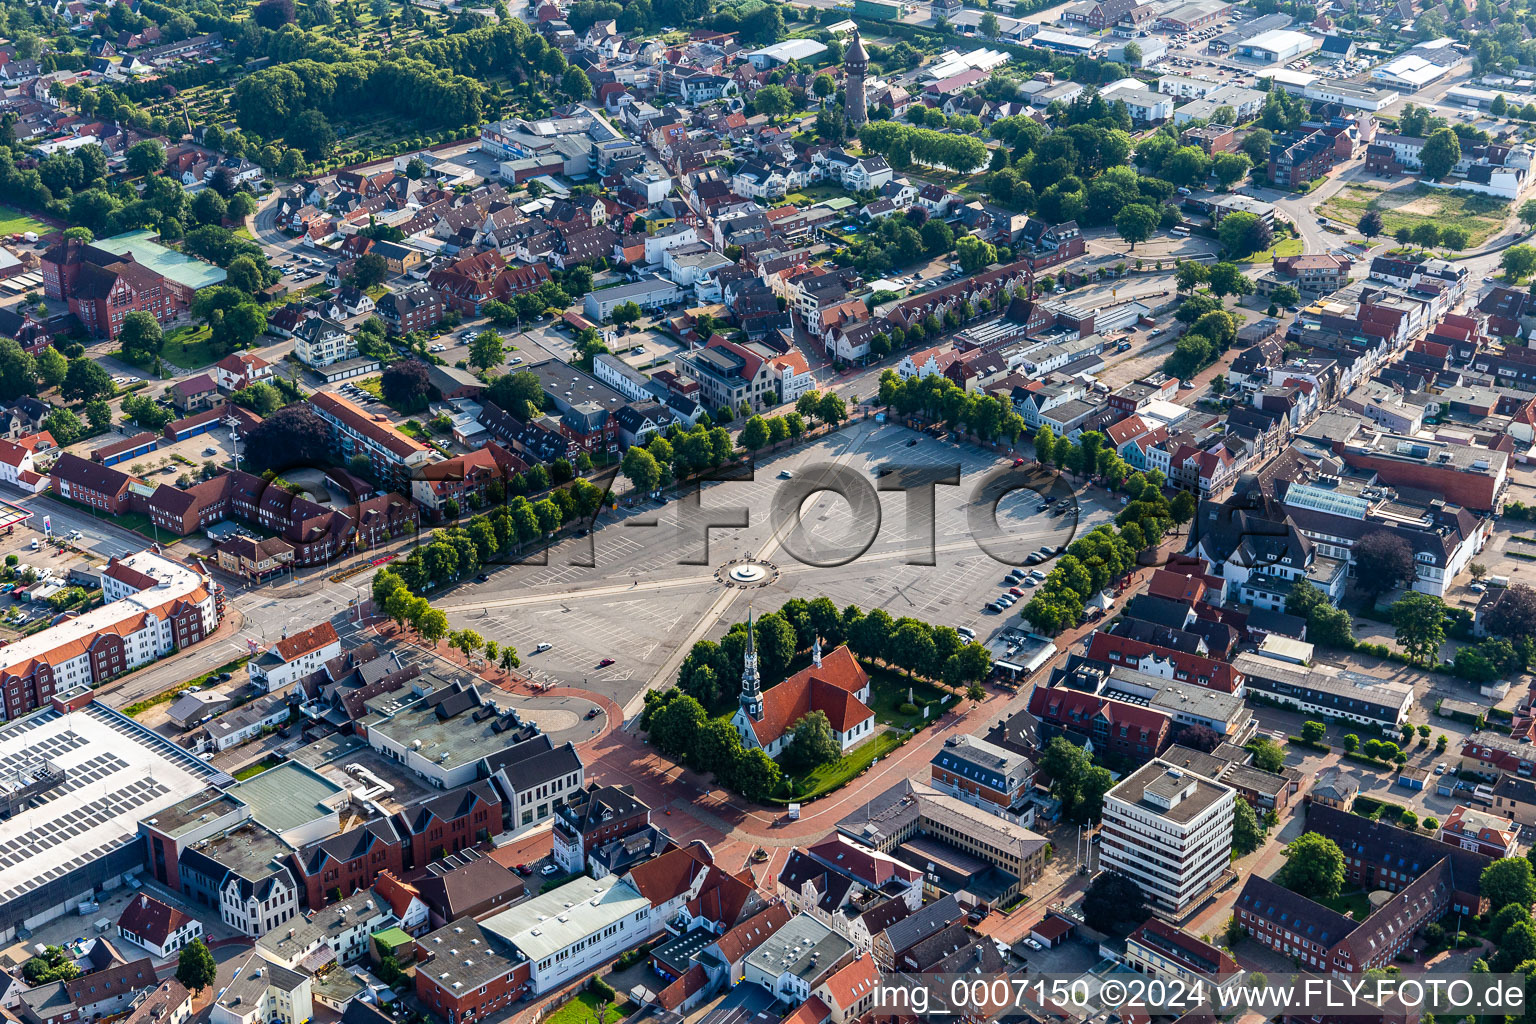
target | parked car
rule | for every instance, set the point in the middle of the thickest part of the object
(541, 648)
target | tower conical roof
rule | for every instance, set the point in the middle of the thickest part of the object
(856, 49)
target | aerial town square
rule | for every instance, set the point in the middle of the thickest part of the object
(744, 511)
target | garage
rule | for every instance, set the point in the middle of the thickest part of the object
(1052, 931)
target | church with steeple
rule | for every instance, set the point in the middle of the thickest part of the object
(835, 685)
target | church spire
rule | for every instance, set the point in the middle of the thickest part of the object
(751, 684)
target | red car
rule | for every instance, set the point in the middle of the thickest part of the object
(1018, 462)
(605, 663)
(1015, 591)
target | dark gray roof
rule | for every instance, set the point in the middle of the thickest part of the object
(921, 924)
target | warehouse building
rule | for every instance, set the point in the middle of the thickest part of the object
(80, 777)
(1064, 42)
(1195, 15)
(1276, 45)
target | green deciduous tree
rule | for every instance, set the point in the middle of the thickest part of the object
(1314, 866)
(1419, 622)
(195, 966)
(1135, 223)
(1440, 153)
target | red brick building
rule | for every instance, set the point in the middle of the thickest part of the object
(450, 822)
(339, 866)
(91, 484)
(102, 287)
(463, 974)
(1163, 662)
(471, 281)
(1126, 730)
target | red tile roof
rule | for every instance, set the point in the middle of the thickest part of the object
(396, 893)
(812, 1011)
(751, 933)
(663, 878)
(151, 920)
(852, 982)
(312, 639)
(828, 689)
(1190, 668)
(363, 423)
(677, 993)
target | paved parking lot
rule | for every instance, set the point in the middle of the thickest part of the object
(652, 591)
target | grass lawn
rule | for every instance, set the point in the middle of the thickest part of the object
(828, 777)
(1410, 207)
(888, 691)
(372, 385)
(138, 522)
(252, 770)
(1352, 903)
(189, 347)
(14, 222)
(1285, 247)
(583, 1010)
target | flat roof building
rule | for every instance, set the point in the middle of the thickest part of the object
(1276, 45)
(570, 929)
(1169, 830)
(73, 828)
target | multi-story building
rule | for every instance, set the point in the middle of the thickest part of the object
(980, 773)
(464, 974)
(912, 809)
(106, 280)
(1472, 477)
(536, 777)
(341, 932)
(1116, 728)
(1480, 832)
(1382, 856)
(1311, 274)
(319, 342)
(355, 432)
(1165, 663)
(450, 822)
(264, 993)
(293, 657)
(1328, 691)
(1159, 948)
(464, 479)
(469, 282)
(340, 865)
(569, 930)
(730, 373)
(1168, 830)
(592, 817)
(1514, 798)
(151, 607)
(1296, 158)
(415, 308)
(91, 483)
(245, 873)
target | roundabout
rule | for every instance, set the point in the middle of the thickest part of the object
(747, 574)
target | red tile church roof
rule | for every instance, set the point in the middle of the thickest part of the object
(829, 688)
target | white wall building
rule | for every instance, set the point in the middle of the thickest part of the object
(263, 993)
(294, 657)
(1169, 830)
(568, 931)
